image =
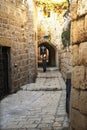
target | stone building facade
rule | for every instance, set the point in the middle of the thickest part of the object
(17, 45)
(78, 111)
(49, 29)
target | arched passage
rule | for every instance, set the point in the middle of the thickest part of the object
(51, 54)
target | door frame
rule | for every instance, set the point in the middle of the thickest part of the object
(8, 54)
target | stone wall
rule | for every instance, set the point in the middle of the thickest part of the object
(65, 61)
(78, 111)
(32, 40)
(16, 32)
(51, 27)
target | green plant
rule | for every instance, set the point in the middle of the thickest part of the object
(66, 37)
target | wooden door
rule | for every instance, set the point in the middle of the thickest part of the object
(4, 71)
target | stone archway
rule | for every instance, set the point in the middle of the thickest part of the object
(51, 53)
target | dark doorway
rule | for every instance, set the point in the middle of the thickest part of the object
(4, 71)
(51, 61)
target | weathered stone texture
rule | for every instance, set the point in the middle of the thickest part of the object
(83, 53)
(79, 54)
(78, 8)
(73, 9)
(79, 100)
(86, 76)
(78, 31)
(82, 7)
(75, 98)
(78, 77)
(75, 55)
(78, 120)
(83, 102)
(78, 110)
(15, 26)
(86, 26)
(65, 62)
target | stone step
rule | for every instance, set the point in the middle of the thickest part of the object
(65, 128)
(48, 69)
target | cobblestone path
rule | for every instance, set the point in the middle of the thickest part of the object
(37, 106)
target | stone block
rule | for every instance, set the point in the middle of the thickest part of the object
(81, 29)
(63, 55)
(86, 77)
(78, 77)
(73, 9)
(5, 42)
(74, 34)
(75, 55)
(82, 7)
(83, 102)
(75, 98)
(78, 120)
(78, 31)
(86, 26)
(83, 53)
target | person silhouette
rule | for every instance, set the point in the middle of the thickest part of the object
(44, 62)
(43, 55)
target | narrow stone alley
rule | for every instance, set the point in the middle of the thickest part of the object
(43, 33)
(36, 106)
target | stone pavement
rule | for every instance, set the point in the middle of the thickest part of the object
(37, 106)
